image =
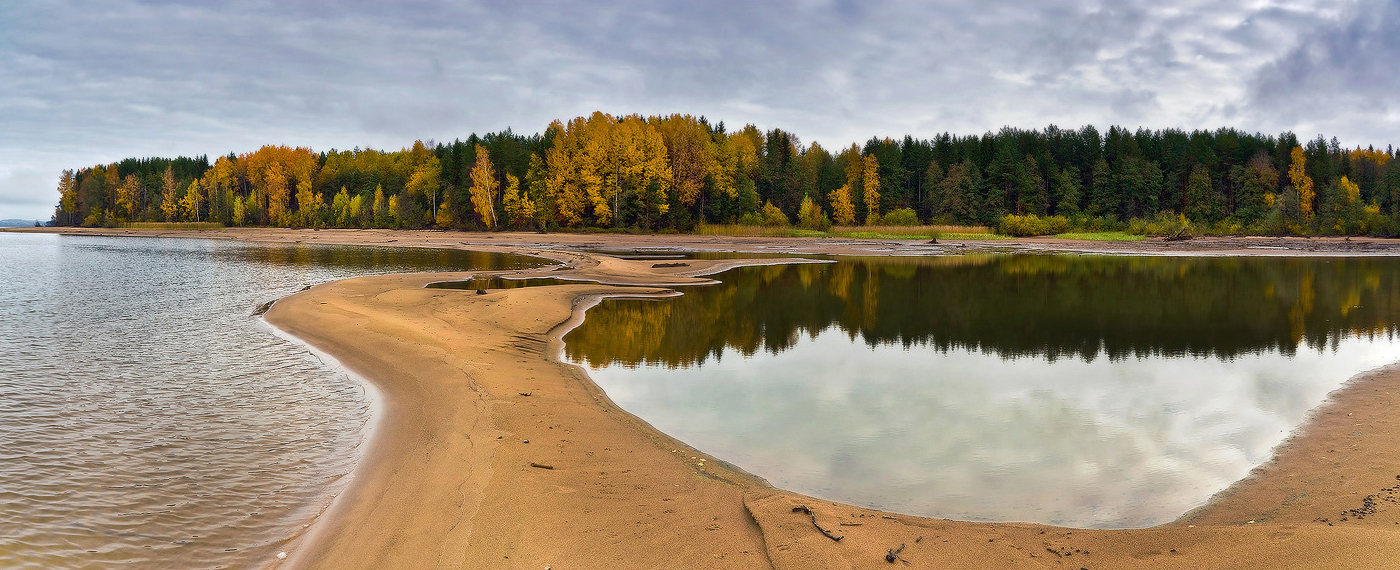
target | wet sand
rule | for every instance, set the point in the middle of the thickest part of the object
(491, 453)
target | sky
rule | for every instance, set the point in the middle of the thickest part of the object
(95, 81)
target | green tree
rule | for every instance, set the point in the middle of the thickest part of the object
(1065, 188)
(1202, 201)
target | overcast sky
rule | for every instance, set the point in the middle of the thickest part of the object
(87, 82)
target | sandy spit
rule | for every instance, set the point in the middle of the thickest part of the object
(490, 453)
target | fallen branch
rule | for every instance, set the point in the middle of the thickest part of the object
(826, 533)
(541, 465)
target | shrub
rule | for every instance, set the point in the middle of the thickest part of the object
(1032, 225)
(774, 217)
(811, 216)
(901, 217)
(1163, 224)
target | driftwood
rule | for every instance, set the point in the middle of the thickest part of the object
(262, 310)
(1179, 236)
(662, 265)
(541, 466)
(826, 533)
(894, 554)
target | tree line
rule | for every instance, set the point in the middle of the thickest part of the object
(677, 172)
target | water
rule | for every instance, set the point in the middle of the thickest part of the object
(1101, 392)
(148, 420)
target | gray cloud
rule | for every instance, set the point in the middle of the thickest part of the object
(88, 82)
(1342, 77)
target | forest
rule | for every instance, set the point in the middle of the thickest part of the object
(682, 173)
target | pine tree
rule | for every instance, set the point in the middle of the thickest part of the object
(1066, 191)
(1202, 203)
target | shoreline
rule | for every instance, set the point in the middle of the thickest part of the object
(407, 341)
(307, 532)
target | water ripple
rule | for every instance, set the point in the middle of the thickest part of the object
(147, 419)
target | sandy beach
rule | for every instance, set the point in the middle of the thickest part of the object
(491, 453)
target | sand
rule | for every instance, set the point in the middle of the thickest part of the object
(491, 453)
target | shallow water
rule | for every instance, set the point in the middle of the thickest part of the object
(1088, 391)
(149, 420)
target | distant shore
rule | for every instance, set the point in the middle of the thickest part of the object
(449, 479)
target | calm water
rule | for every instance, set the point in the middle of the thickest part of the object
(1087, 391)
(148, 420)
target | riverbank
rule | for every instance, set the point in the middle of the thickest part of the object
(449, 480)
(565, 242)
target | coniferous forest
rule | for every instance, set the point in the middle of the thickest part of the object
(680, 172)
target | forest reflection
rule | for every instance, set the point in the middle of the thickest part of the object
(374, 258)
(1013, 306)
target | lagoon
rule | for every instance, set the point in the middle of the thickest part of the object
(1085, 391)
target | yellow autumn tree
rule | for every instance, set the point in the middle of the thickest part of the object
(219, 182)
(599, 163)
(692, 156)
(239, 210)
(536, 189)
(424, 182)
(383, 217)
(169, 195)
(310, 205)
(191, 204)
(67, 196)
(520, 210)
(871, 186)
(274, 173)
(1301, 182)
(484, 186)
(127, 195)
(446, 217)
(340, 208)
(638, 153)
(1350, 192)
(561, 188)
(843, 210)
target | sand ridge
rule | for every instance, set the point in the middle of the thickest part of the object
(449, 480)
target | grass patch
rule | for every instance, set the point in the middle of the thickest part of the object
(908, 232)
(1101, 236)
(171, 226)
(854, 232)
(744, 230)
(976, 236)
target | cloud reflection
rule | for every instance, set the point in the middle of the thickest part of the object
(967, 435)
